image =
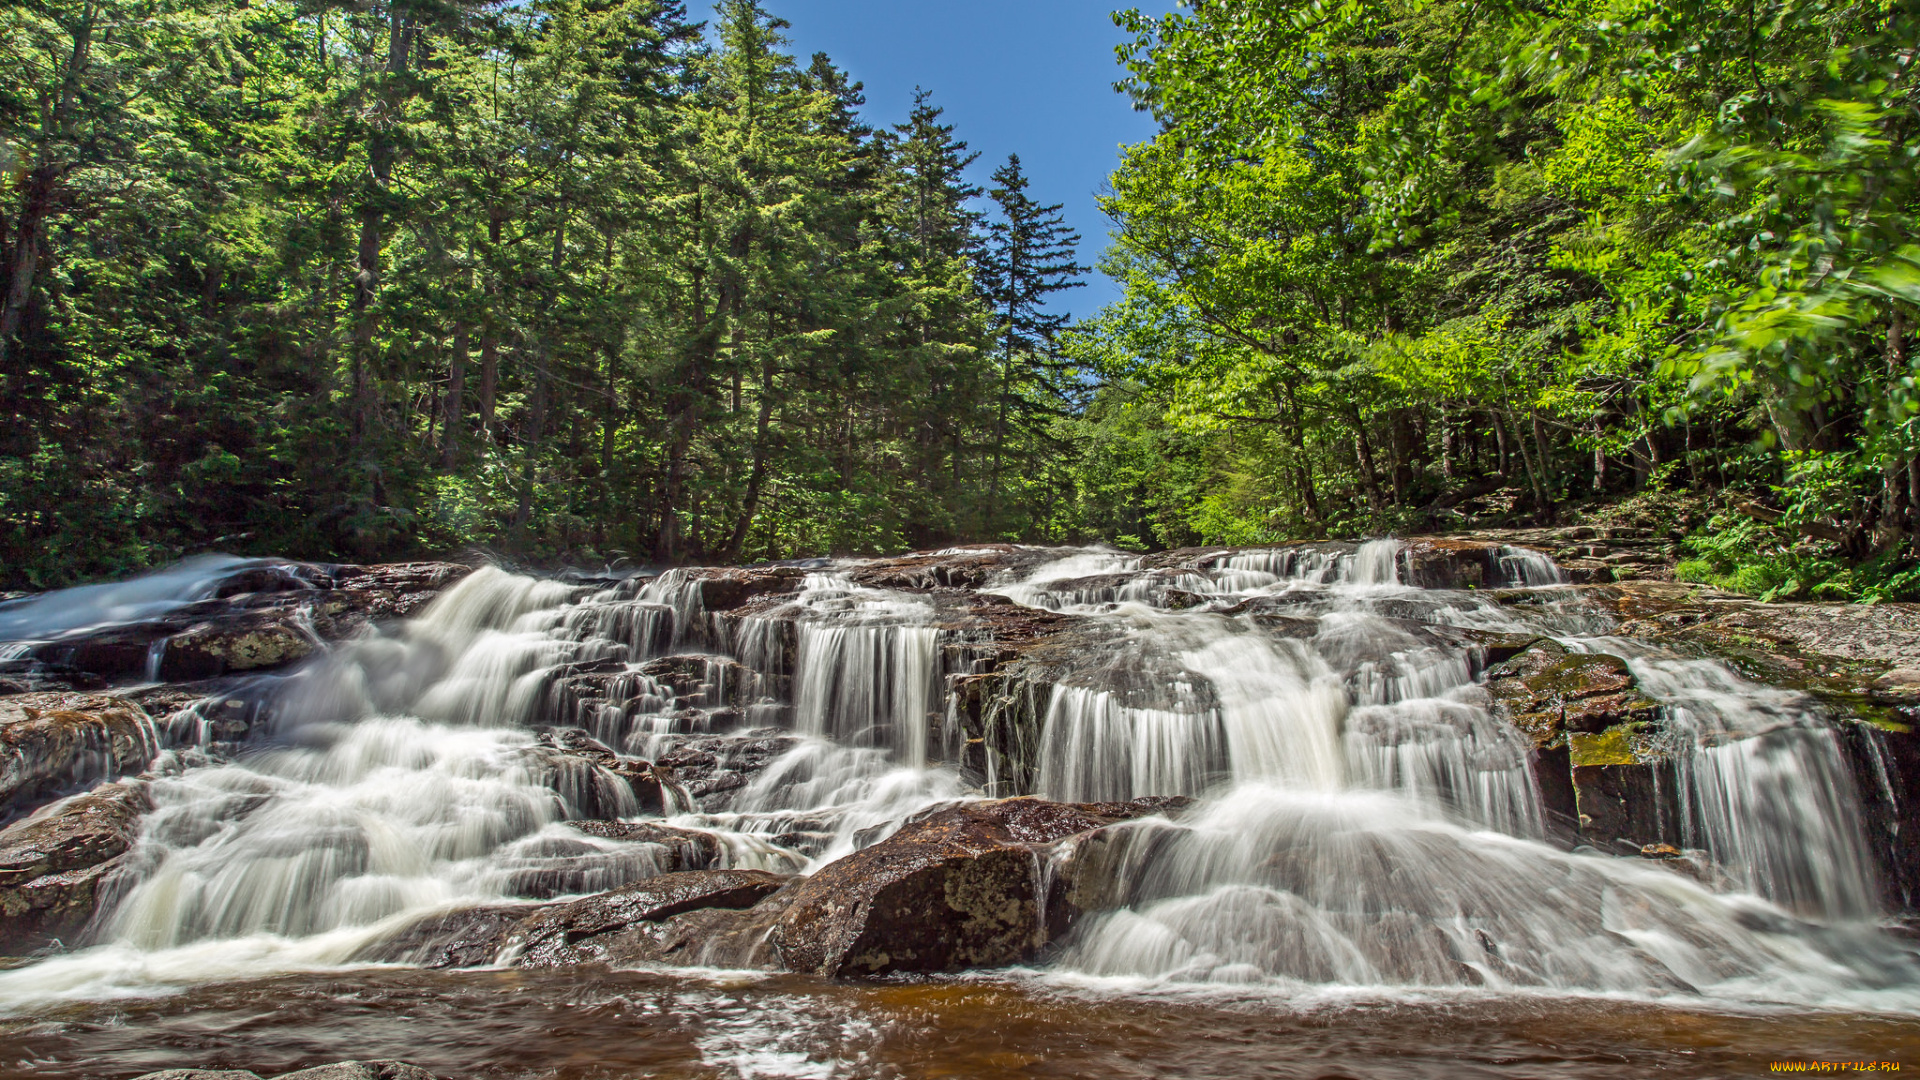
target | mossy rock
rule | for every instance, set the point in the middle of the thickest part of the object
(1550, 693)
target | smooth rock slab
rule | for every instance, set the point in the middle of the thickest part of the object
(583, 931)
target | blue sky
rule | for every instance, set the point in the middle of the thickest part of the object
(1032, 77)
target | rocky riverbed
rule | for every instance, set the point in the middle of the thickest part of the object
(952, 761)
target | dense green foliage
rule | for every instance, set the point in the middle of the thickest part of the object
(566, 278)
(1393, 262)
(581, 278)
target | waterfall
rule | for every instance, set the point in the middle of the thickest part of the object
(1364, 817)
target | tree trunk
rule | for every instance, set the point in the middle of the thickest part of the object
(37, 201)
(1368, 474)
(453, 410)
(25, 257)
(1895, 509)
(1543, 452)
(1302, 464)
(1599, 461)
(750, 505)
(366, 282)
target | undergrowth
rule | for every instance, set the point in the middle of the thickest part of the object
(1740, 554)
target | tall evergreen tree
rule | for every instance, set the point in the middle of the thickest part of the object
(1028, 256)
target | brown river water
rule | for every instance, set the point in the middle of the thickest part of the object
(602, 1024)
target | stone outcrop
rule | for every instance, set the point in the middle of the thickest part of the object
(614, 927)
(1550, 694)
(954, 889)
(1599, 756)
(595, 781)
(647, 922)
(463, 938)
(260, 617)
(51, 744)
(54, 865)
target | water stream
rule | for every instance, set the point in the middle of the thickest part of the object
(1367, 829)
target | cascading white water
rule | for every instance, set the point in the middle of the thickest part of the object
(1364, 818)
(1096, 748)
(403, 775)
(1359, 759)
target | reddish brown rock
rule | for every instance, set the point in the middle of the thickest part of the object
(52, 865)
(1548, 693)
(957, 888)
(466, 938)
(50, 743)
(596, 929)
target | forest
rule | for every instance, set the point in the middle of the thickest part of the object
(588, 280)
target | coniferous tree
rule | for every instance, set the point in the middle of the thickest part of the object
(1028, 256)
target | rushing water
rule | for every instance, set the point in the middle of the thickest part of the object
(1369, 863)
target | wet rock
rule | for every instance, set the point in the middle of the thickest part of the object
(963, 568)
(1548, 692)
(688, 849)
(709, 681)
(596, 929)
(722, 589)
(1097, 871)
(468, 938)
(595, 781)
(360, 1070)
(954, 889)
(54, 743)
(710, 768)
(53, 865)
(242, 643)
(259, 617)
(1439, 563)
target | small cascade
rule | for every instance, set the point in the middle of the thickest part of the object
(149, 596)
(1763, 787)
(1042, 588)
(1527, 568)
(1097, 748)
(866, 670)
(1269, 884)
(678, 591)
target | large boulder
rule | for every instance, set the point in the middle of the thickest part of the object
(641, 923)
(51, 744)
(956, 888)
(461, 938)
(53, 864)
(1602, 764)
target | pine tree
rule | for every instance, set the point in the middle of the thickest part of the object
(1028, 256)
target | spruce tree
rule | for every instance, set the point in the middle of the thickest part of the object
(1028, 256)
